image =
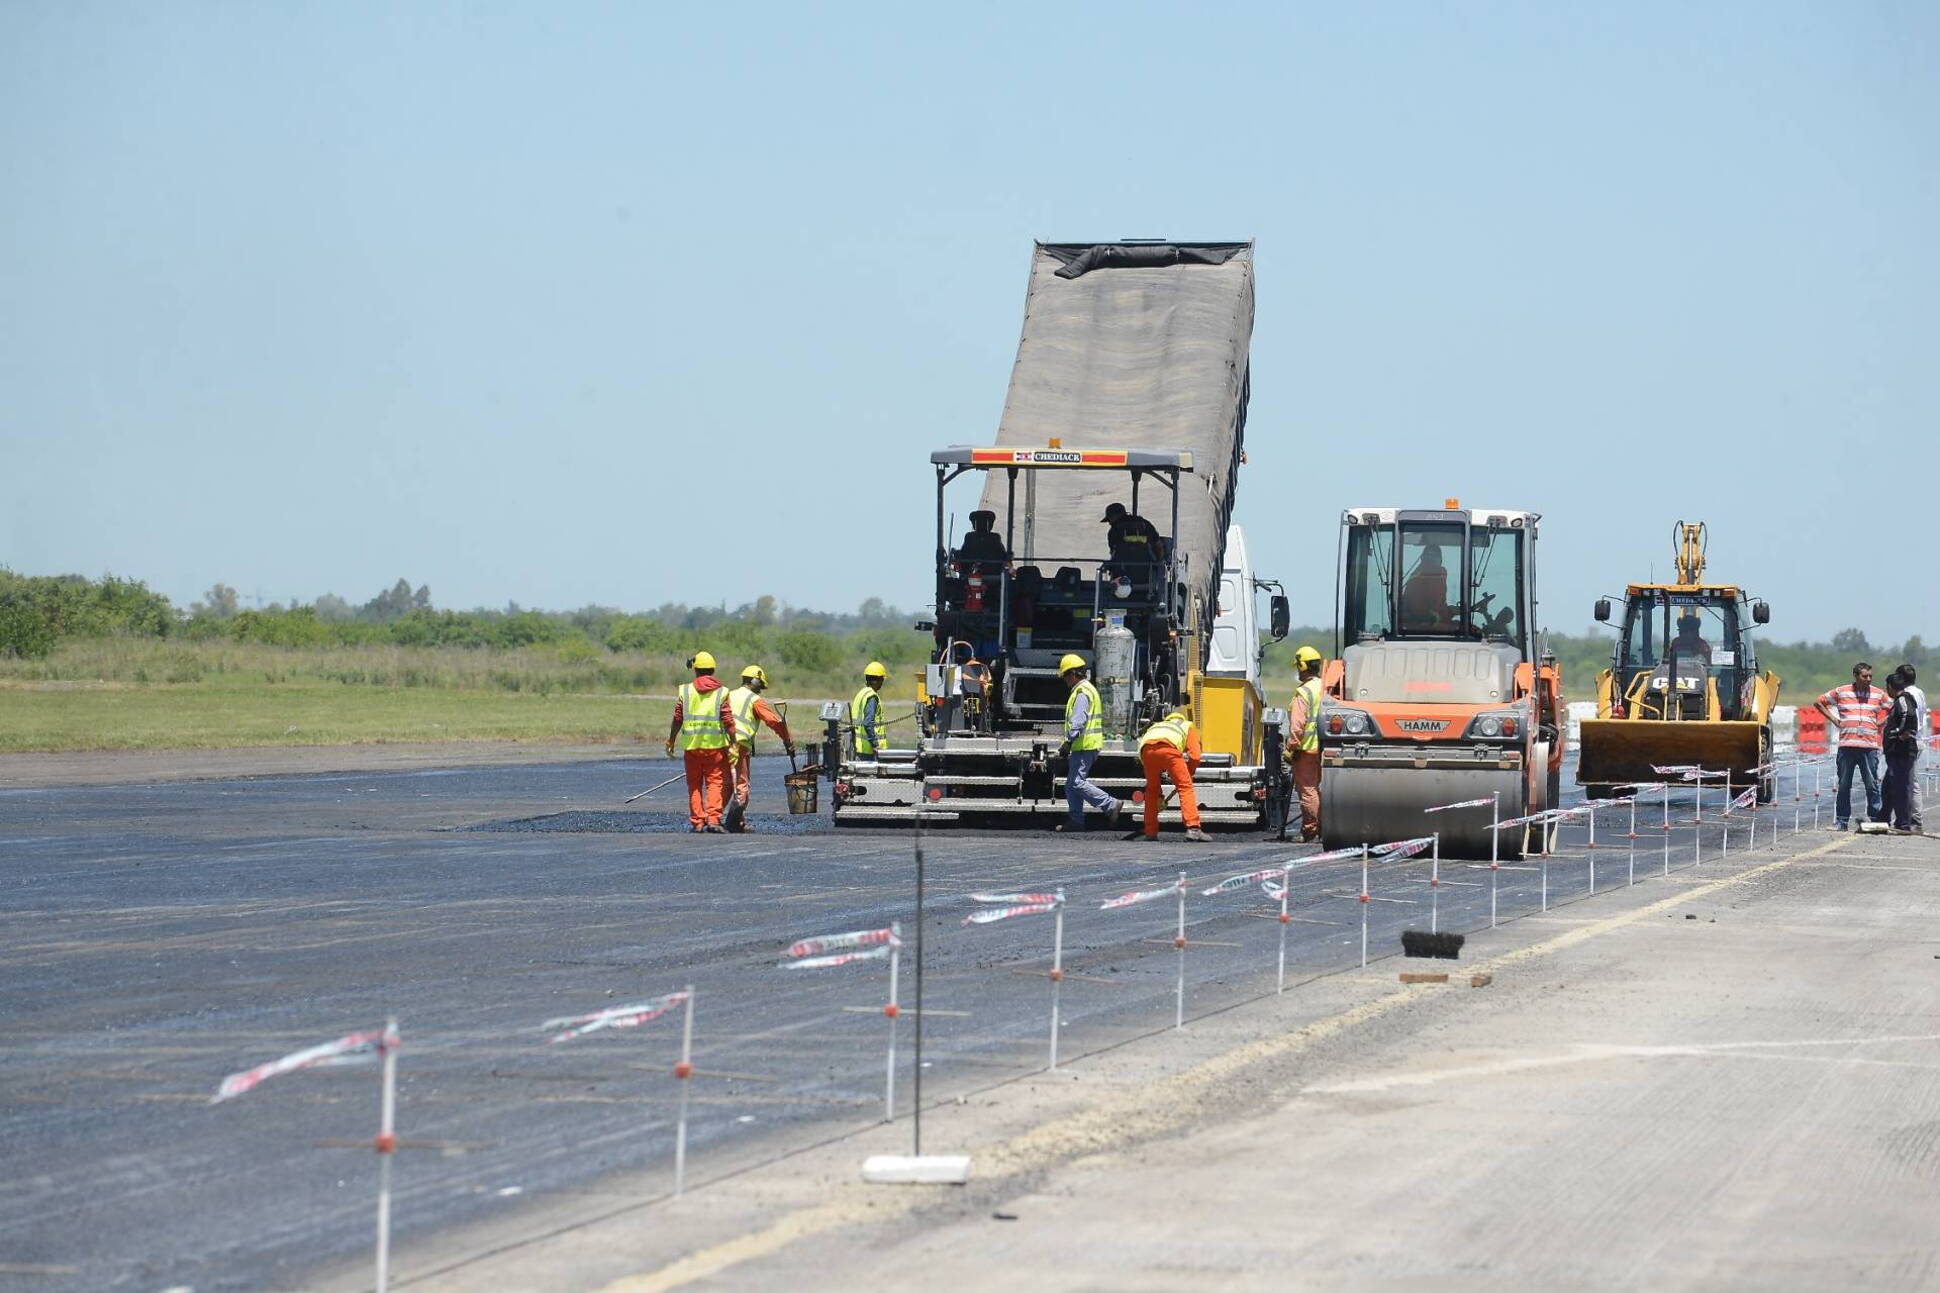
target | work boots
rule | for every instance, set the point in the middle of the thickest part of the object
(1197, 836)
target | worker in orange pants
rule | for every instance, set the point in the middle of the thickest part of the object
(1170, 748)
(750, 712)
(704, 725)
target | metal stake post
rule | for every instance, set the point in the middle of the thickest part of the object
(1057, 974)
(684, 1073)
(1591, 804)
(1818, 768)
(1666, 788)
(1435, 887)
(1286, 888)
(891, 1010)
(1363, 906)
(386, 1150)
(1543, 860)
(1495, 849)
(1634, 792)
(1179, 942)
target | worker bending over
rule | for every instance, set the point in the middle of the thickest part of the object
(865, 712)
(750, 711)
(1303, 741)
(704, 724)
(1170, 748)
(1084, 736)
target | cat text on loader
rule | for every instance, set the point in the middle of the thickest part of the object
(1683, 686)
(1437, 694)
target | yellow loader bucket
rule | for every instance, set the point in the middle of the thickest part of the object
(1623, 751)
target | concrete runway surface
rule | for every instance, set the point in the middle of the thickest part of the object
(163, 935)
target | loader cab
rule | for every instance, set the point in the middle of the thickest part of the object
(1449, 575)
(1685, 652)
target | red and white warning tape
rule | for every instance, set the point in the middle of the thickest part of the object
(1137, 896)
(357, 1048)
(1745, 800)
(883, 938)
(616, 1017)
(1483, 802)
(1402, 848)
(1251, 878)
(1017, 904)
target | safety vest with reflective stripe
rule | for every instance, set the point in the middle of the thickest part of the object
(1310, 731)
(700, 719)
(865, 740)
(1173, 731)
(741, 701)
(1093, 735)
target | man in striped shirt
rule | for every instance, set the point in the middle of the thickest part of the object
(1859, 712)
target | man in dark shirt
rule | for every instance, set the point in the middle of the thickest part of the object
(1902, 741)
(1137, 547)
(983, 548)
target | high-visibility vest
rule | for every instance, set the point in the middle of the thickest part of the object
(865, 740)
(1093, 736)
(1310, 733)
(741, 701)
(1172, 731)
(700, 719)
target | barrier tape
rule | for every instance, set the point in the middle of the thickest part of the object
(1401, 848)
(357, 1048)
(1466, 803)
(835, 942)
(840, 958)
(991, 915)
(615, 1017)
(1233, 882)
(1744, 800)
(1033, 898)
(1137, 896)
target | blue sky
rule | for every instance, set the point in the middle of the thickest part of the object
(628, 303)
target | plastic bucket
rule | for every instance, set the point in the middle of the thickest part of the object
(803, 788)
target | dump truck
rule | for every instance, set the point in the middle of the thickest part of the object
(1439, 692)
(1683, 688)
(1102, 527)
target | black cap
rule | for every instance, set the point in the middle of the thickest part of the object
(984, 515)
(1114, 511)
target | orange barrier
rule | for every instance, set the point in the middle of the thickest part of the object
(1811, 730)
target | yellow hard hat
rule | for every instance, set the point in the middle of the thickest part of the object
(1306, 655)
(753, 673)
(701, 660)
(875, 669)
(1070, 662)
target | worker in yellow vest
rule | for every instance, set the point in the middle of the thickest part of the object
(704, 725)
(1084, 736)
(750, 712)
(1170, 748)
(865, 712)
(1303, 740)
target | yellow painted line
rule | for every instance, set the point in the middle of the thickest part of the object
(1150, 1109)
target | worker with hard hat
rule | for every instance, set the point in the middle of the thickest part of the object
(704, 725)
(1137, 548)
(865, 712)
(1303, 740)
(750, 711)
(1084, 737)
(1170, 748)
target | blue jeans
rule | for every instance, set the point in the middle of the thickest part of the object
(1078, 790)
(1867, 762)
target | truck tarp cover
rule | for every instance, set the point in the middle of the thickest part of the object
(1131, 346)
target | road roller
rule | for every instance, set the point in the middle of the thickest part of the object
(1438, 692)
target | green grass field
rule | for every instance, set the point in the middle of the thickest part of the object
(131, 694)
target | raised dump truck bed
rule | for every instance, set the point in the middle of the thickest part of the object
(1130, 387)
(1132, 345)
